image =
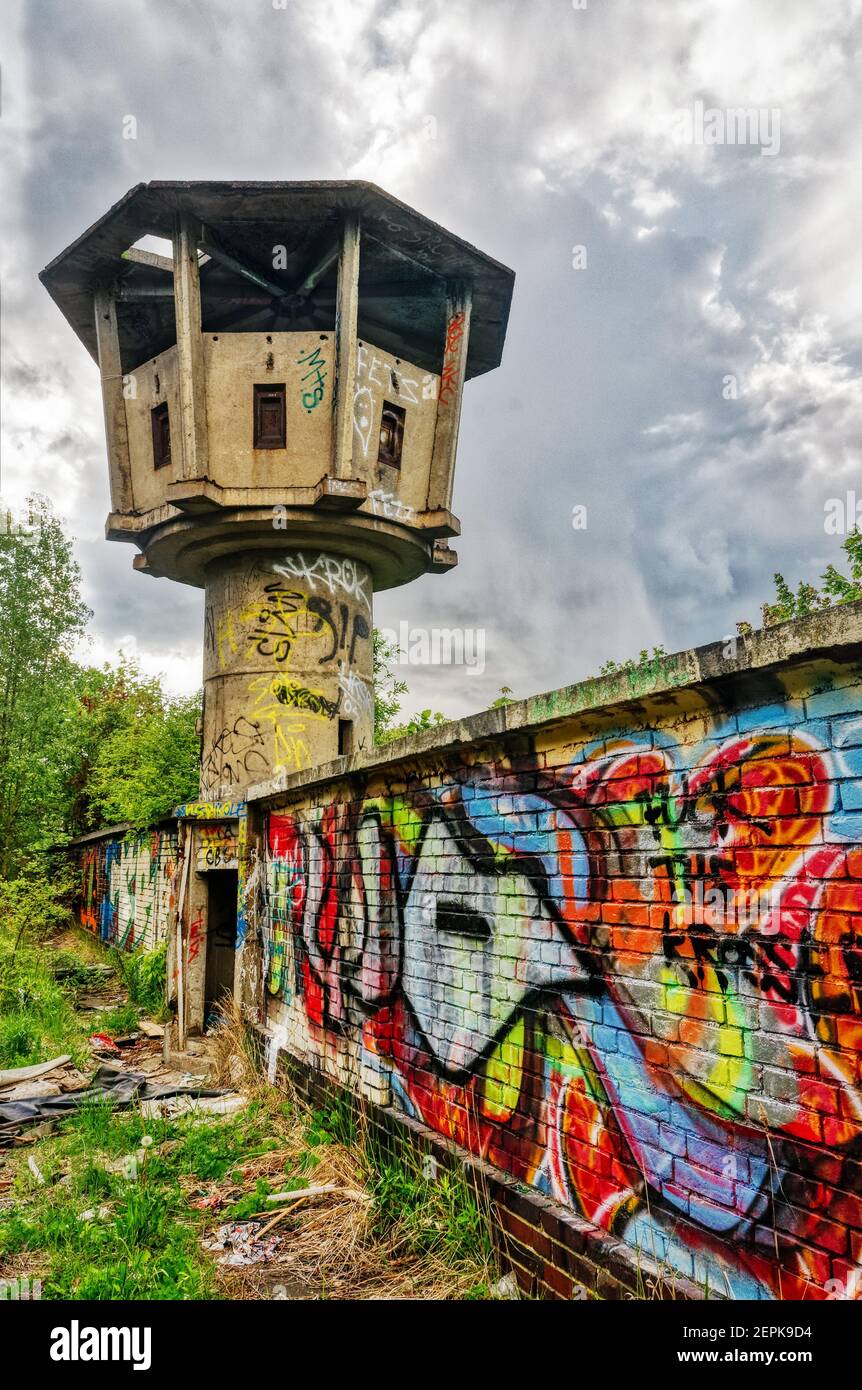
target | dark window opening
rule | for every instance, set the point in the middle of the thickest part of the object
(161, 435)
(270, 417)
(460, 920)
(345, 737)
(391, 434)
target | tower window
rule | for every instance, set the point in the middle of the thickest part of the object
(345, 737)
(270, 417)
(161, 435)
(391, 434)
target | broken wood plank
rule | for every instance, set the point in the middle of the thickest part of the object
(16, 1074)
(327, 1187)
(114, 401)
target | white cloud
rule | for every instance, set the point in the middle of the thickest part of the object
(527, 129)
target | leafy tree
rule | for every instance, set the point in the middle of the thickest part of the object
(388, 690)
(43, 617)
(149, 761)
(118, 712)
(837, 588)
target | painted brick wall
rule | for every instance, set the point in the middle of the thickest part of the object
(619, 957)
(127, 887)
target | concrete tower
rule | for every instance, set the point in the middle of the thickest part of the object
(282, 396)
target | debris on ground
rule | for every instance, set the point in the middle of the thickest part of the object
(352, 1194)
(30, 1090)
(122, 1088)
(213, 1202)
(36, 1171)
(240, 1244)
(193, 1103)
(95, 1214)
(14, 1075)
(506, 1288)
(100, 1042)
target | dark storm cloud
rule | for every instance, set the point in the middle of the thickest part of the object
(530, 130)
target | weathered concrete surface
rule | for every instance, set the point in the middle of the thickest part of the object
(288, 658)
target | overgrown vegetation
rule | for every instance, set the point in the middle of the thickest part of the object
(388, 690)
(43, 618)
(122, 1206)
(37, 902)
(143, 974)
(143, 750)
(37, 1019)
(430, 1211)
(646, 663)
(837, 588)
(79, 745)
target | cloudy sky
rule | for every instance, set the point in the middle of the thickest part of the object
(691, 376)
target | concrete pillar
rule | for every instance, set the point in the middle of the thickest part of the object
(288, 664)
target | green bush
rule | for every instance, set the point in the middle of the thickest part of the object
(36, 1018)
(36, 904)
(144, 974)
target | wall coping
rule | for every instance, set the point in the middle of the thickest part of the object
(124, 828)
(824, 634)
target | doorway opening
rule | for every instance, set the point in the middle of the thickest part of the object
(221, 942)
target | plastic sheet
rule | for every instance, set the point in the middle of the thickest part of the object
(122, 1088)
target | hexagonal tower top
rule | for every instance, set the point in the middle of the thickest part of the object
(302, 350)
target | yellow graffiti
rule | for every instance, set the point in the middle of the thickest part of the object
(291, 752)
(225, 637)
(217, 847)
(281, 618)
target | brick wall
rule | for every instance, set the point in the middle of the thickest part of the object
(127, 886)
(617, 956)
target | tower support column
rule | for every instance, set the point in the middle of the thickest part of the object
(288, 665)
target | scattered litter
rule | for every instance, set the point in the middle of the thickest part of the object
(151, 1030)
(36, 1170)
(94, 1213)
(92, 1004)
(191, 1104)
(506, 1288)
(121, 1088)
(100, 1042)
(70, 1079)
(33, 1135)
(127, 1040)
(240, 1244)
(16, 1074)
(214, 1202)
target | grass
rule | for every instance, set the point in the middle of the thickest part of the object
(39, 988)
(116, 1022)
(113, 1220)
(37, 1017)
(128, 1201)
(143, 974)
